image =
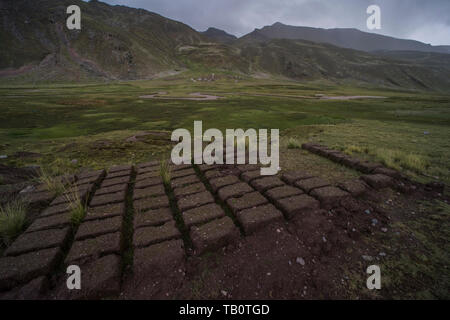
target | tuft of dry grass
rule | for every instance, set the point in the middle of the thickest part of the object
(53, 184)
(293, 143)
(77, 208)
(13, 217)
(165, 172)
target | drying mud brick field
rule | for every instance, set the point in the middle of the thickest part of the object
(146, 237)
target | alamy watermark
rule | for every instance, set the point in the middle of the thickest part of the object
(374, 20)
(248, 143)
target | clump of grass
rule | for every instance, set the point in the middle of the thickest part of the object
(77, 209)
(398, 159)
(293, 143)
(355, 149)
(164, 170)
(53, 184)
(13, 217)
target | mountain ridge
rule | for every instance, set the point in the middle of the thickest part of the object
(122, 43)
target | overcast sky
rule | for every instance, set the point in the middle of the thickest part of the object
(424, 20)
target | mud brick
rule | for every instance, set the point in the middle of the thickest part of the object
(293, 176)
(52, 222)
(40, 188)
(330, 196)
(60, 200)
(112, 189)
(322, 151)
(100, 279)
(355, 187)
(336, 156)
(102, 212)
(212, 174)
(146, 236)
(151, 203)
(179, 167)
(149, 192)
(125, 167)
(267, 183)
(248, 176)
(184, 181)
(33, 290)
(142, 171)
(188, 190)
(297, 205)
(214, 235)
(148, 183)
(207, 167)
(39, 199)
(38, 240)
(90, 249)
(350, 162)
(107, 199)
(248, 200)
(158, 258)
(95, 228)
(378, 181)
(148, 175)
(82, 192)
(118, 174)
(202, 214)
(234, 190)
(388, 172)
(310, 184)
(195, 200)
(21, 269)
(148, 164)
(88, 180)
(152, 218)
(182, 173)
(218, 183)
(257, 218)
(309, 145)
(53, 210)
(283, 192)
(114, 181)
(247, 167)
(88, 174)
(367, 167)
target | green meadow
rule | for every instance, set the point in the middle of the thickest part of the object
(406, 130)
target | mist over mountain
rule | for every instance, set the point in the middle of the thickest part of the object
(118, 42)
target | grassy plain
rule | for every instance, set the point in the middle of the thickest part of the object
(409, 131)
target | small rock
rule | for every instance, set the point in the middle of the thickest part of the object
(374, 221)
(367, 211)
(384, 229)
(383, 254)
(3, 156)
(300, 260)
(224, 293)
(367, 258)
(27, 189)
(74, 161)
(268, 273)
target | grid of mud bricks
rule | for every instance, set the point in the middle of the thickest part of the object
(52, 240)
(376, 175)
(205, 207)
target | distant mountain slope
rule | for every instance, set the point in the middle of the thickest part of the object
(304, 60)
(219, 35)
(345, 38)
(114, 42)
